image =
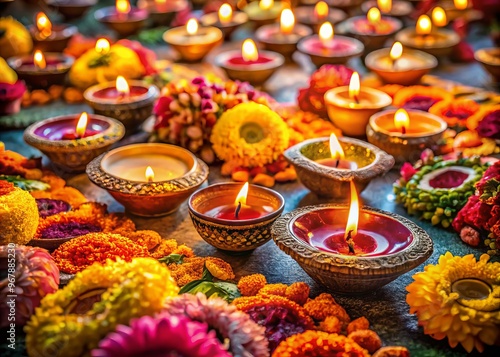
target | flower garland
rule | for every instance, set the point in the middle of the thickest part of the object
(420, 97)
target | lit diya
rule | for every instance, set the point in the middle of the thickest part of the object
(282, 37)
(315, 16)
(490, 60)
(437, 42)
(71, 9)
(148, 179)
(235, 218)
(48, 37)
(192, 41)
(130, 102)
(405, 134)
(162, 12)
(327, 165)
(42, 69)
(350, 107)
(461, 9)
(249, 64)
(126, 20)
(225, 19)
(72, 141)
(264, 12)
(397, 8)
(325, 48)
(396, 65)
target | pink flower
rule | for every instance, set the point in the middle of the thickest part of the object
(407, 171)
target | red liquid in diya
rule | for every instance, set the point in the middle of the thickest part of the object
(228, 212)
(114, 93)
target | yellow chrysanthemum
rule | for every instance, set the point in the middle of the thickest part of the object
(459, 298)
(250, 135)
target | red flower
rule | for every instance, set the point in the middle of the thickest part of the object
(407, 171)
(146, 56)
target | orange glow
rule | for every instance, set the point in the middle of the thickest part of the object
(373, 15)
(326, 33)
(81, 126)
(424, 25)
(439, 17)
(225, 14)
(122, 6)
(192, 27)
(396, 51)
(122, 85)
(321, 10)
(43, 24)
(242, 195)
(39, 59)
(401, 120)
(385, 6)
(266, 4)
(287, 21)
(335, 148)
(461, 4)
(102, 46)
(161, 5)
(150, 174)
(354, 86)
(352, 220)
(249, 51)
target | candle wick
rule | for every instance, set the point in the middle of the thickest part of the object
(350, 243)
(403, 130)
(237, 210)
(337, 163)
(356, 99)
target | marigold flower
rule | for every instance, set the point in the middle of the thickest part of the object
(322, 307)
(455, 112)
(298, 292)
(274, 289)
(219, 268)
(331, 325)
(361, 323)
(146, 238)
(251, 284)
(367, 339)
(392, 351)
(420, 97)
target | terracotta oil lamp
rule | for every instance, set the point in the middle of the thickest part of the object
(282, 37)
(122, 18)
(71, 9)
(490, 60)
(396, 65)
(326, 48)
(192, 41)
(225, 19)
(48, 37)
(461, 9)
(235, 218)
(405, 134)
(345, 5)
(162, 12)
(399, 8)
(315, 16)
(264, 12)
(350, 107)
(249, 64)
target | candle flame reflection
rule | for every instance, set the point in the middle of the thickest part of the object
(401, 120)
(266, 4)
(287, 21)
(326, 34)
(225, 14)
(439, 17)
(242, 195)
(336, 150)
(321, 10)
(43, 25)
(192, 27)
(385, 6)
(122, 85)
(102, 46)
(396, 51)
(351, 229)
(461, 4)
(150, 174)
(424, 25)
(354, 86)
(373, 15)
(122, 6)
(39, 59)
(81, 125)
(249, 51)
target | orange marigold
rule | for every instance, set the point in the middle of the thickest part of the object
(361, 323)
(146, 238)
(251, 284)
(298, 292)
(367, 339)
(331, 325)
(455, 112)
(420, 97)
(473, 120)
(274, 289)
(219, 268)
(392, 351)
(320, 309)
(166, 247)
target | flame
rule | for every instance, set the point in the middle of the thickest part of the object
(43, 24)
(102, 46)
(326, 33)
(39, 59)
(373, 15)
(352, 220)
(396, 51)
(354, 86)
(192, 27)
(385, 6)
(225, 14)
(321, 10)
(81, 126)
(287, 21)
(122, 6)
(122, 85)
(461, 4)
(401, 120)
(249, 51)
(150, 174)
(439, 17)
(242, 195)
(424, 25)
(335, 148)
(266, 4)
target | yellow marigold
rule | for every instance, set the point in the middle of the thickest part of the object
(274, 289)
(251, 284)
(458, 299)
(298, 292)
(190, 269)
(249, 135)
(184, 250)
(219, 268)
(166, 247)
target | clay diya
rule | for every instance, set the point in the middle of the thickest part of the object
(122, 18)
(327, 169)
(235, 218)
(351, 250)
(162, 12)
(264, 12)
(344, 5)
(42, 70)
(397, 8)
(249, 64)
(461, 9)
(350, 107)
(72, 141)
(405, 134)
(315, 16)
(148, 179)
(71, 9)
(129, 102)
(437, 42)
(396, 65)
(193, 42)
(324, 48)
(282, 37)
(48, 37)
(490, 60)
(225, 19)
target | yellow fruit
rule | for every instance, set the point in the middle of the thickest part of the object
(7, 74)
(15, 39)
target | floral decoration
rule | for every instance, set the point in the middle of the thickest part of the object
(455, 112)
(486, 122)
(420, 97)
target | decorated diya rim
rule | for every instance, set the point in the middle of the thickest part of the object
(212, 19)
(24, 64)
(222, 60)
(383, 100)
(111, 134)
(349, 26)
(408, 37)
(59, 31)
(399, 8)
(176, 36)
(429, 60)
(356, 47)
(231, 189)
(130, 102)
(196, 174)
(423, 117)
(108, 15)
(381, 163)
(267, 34)
(334, 16)
(418, 250)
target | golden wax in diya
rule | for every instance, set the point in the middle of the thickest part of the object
(126, 20)
(49, 37)
(225, 19)
(264, 12)
(315, 16)
(405, 134)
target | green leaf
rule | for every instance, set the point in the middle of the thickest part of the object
(231, 290)
(172, 258)
(100, 61)
(24, 184)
